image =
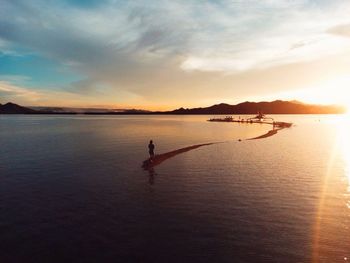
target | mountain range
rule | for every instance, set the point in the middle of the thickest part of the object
(273, 107)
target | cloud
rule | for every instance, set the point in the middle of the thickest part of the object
(8, 90)
(14, 79)
(340, 30)
(23, 95)
(171, 50)
(115, 32)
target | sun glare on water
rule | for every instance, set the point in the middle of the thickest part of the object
(342, 149)
(344, 144)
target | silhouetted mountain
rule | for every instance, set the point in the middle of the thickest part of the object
(274, 107)
(63, 110)
(11, 108)
(69, 110)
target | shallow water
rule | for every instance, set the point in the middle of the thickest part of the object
(72, 190)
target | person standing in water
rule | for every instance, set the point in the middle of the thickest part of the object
(151, 150)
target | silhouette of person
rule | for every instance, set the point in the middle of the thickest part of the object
(151, 150)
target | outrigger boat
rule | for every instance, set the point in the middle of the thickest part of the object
(260, 117)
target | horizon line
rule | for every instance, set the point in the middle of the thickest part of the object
(182, 107)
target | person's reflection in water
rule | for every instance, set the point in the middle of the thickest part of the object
(151, 174)
(151, 150)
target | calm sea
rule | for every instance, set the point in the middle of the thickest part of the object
(72, 190)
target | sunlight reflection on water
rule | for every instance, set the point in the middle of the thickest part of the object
(344, 143)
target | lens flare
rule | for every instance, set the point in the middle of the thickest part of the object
(342, 147)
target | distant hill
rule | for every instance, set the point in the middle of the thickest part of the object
(67, 110)
(274, 107)
(11, 108)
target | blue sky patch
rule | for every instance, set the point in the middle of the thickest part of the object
(36, 71)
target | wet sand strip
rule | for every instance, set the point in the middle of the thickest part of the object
(268, 134)
(158, 159)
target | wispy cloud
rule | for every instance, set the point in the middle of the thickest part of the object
(8, 90)
(341, 30)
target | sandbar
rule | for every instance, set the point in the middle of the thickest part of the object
(158, 159)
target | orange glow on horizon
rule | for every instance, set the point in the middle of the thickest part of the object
(332, 92)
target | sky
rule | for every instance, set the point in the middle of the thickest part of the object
(161, 55)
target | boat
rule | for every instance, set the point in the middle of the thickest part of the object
(260, 117)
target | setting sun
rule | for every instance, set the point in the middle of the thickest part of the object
(336, 91)
(328, 91)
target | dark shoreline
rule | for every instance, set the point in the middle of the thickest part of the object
(159, 113)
